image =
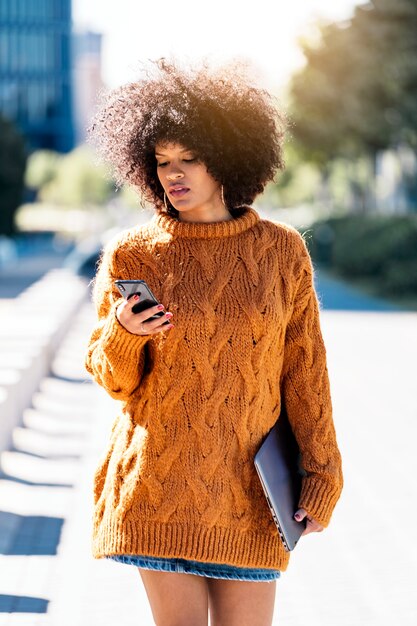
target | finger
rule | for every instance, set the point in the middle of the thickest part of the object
(150, 324)
(300, 515)
(307, 530)
(312, 527)
(132, 300)
(155, 326)
(166, 325)
(161, 328)
(143, 316)
(122, 311)
(135, 298)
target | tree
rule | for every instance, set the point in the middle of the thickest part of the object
(358, 90)
(41, 168)
(12, 168)
(78, 181)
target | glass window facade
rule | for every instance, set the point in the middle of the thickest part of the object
(35, 70)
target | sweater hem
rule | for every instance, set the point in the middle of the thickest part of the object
(197, 543)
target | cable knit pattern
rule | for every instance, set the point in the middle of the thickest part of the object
(178, 478)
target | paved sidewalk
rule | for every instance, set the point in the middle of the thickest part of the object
(362, 571)
(38, 479)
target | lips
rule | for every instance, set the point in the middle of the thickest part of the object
(177, 191)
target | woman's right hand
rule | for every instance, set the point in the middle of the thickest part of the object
(136, 323)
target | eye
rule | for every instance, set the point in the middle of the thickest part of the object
(162, 164)
(190, 160)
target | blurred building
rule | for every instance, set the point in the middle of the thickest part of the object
(88, 80)
(35, 71)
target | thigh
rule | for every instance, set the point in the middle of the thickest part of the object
(241, 603)
(176, 599)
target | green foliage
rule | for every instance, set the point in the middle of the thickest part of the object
(12, 168)
(130, 197)
(298, 184)
(358, 90)
(78, 181)
(380, 247)
(301, 183)
(41, 168)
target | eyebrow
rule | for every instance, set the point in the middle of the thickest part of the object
(163, 154)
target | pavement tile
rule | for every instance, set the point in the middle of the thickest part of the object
(36, 491)
(37, 421)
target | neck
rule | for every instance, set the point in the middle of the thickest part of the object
(205, 215)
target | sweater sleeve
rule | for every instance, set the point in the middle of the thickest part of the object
(115, 357)
(306, 395)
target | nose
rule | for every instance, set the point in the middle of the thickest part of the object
(175, 173)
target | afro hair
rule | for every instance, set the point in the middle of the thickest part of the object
(230, 123)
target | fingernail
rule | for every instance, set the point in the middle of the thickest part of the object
(171, 326)
(160, 307)
(136, 297)
(297, 516)
(168, 315)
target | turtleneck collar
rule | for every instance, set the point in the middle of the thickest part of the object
(207, 230)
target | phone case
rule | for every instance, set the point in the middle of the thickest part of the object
(129, 288)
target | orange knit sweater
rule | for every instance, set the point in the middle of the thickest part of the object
(178, 478)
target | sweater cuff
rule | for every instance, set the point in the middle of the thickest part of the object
(318, 498)
(117, 342)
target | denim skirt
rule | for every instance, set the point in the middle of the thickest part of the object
(209, 570)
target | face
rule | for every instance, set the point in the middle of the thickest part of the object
(187, 183)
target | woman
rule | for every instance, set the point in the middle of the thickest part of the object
(177, 494)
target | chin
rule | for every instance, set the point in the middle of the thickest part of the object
(182, 208)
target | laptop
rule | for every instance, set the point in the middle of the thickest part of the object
(278, 465)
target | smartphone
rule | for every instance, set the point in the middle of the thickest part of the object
(129, 288)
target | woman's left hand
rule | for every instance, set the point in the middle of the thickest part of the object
(312, 526)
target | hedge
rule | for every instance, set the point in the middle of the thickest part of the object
(378, 247)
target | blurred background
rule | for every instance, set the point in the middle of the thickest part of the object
(346, 74)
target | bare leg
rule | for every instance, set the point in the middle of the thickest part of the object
(241, 603)
(176, 599)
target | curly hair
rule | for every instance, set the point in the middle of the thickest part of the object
(231, 124)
